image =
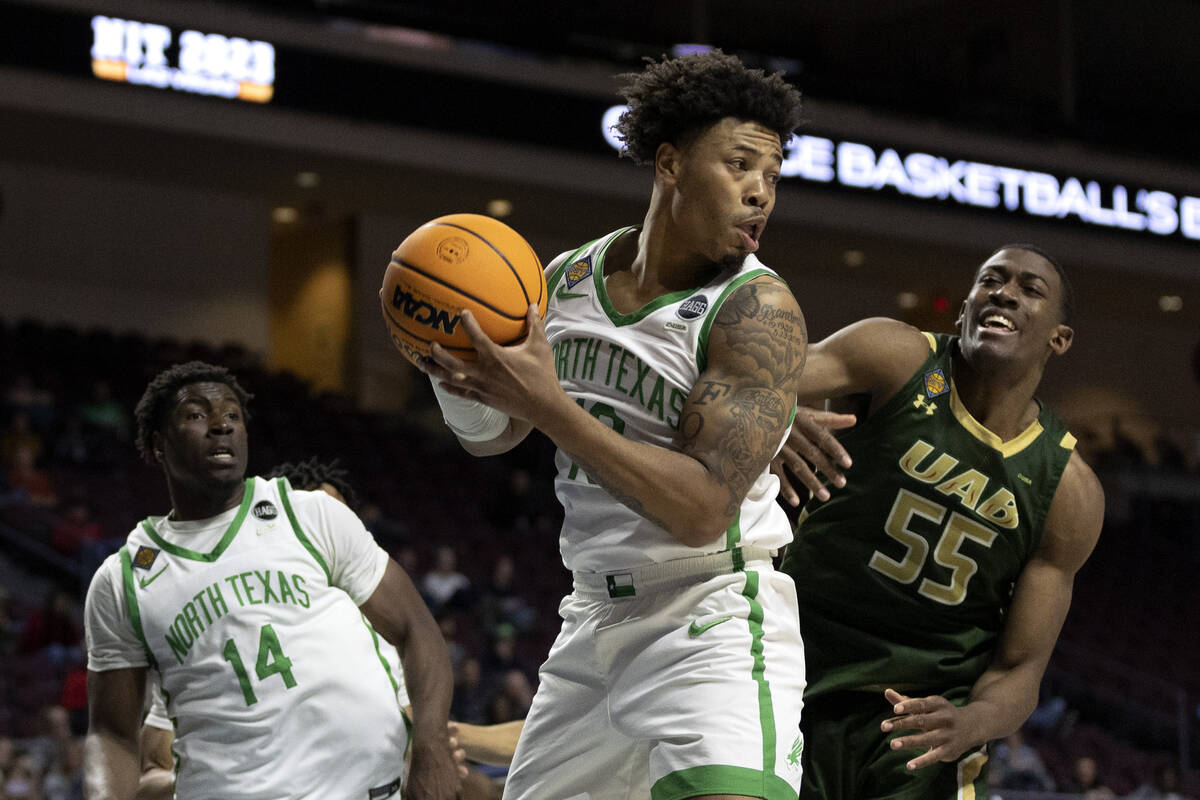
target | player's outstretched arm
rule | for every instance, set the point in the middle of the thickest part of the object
(1006, 694)
(731, 423)
(811, 442)
(872, 357)
(488, 744)
(397, 611)
(110, 750)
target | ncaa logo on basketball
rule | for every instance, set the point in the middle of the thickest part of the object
(265, 509)
(422, 311)
(453, 250)
(693, 307)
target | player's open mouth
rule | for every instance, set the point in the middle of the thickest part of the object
(222, 455)
(996, 321)
(751, 231)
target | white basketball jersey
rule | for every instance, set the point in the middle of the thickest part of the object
(634, 372)
(271, 676)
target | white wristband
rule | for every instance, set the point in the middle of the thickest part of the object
(469, 419)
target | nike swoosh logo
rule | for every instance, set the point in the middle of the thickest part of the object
(147, 581)
(563, 294)
(695, 630)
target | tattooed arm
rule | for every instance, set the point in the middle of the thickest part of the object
(737, 413)
(731, 423)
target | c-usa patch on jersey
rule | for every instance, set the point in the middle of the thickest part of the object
(144, 557)
(578, 271)
(265, 509)
(693, 307)
(936, 383)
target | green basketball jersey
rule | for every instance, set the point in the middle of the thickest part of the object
(905, 575)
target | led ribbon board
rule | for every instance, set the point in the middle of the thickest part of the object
(975, 184)
(200, 63)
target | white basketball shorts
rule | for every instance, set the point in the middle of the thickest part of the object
(668, 682)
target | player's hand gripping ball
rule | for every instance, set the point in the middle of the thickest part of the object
(456, 262)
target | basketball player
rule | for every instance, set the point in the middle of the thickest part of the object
(666, 374)
(158, 734)
(933, 586)
(246, 601)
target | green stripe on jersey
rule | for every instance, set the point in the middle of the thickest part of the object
(222, 545)
(702, 345)
(131, 603)
(282, 484)
(382, 660)
(616, 317)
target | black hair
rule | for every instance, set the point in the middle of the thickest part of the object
(312, 473)
(1067, 294)
(159, 398)
(675, 99)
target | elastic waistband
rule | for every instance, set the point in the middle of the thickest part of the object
(652, 578)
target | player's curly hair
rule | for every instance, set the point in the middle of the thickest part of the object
(675, 99)
(312, 473)
(159, 398)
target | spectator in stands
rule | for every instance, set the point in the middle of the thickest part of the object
(387, 531)
(24, 475)
(48, 746)
(1017, 765)
(410, 559)
(25, 395)
(512, 698)
(1162, 785)
(64, 780)
(103, 416)
(51, 631)
(23, 780)
(1086, 782)
(470, 694)
(20, 434)
(448, 624)
(518, 508)
(1050, 712)
(444, 585)
(6, 755)
(501, 601)
(71, 448)
(502, 655)
(74, 697)
(75, 528)
(9, 632)
(10, 496)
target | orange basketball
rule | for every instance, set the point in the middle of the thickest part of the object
(456, 262)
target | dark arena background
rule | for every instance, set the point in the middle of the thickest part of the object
(226, 180)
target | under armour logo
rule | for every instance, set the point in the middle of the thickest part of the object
(920, 402)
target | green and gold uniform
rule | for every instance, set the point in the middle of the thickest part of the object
(905, 575)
